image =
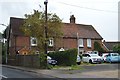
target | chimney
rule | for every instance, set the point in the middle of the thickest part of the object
(72, 19)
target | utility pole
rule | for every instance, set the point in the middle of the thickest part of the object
(45, 3)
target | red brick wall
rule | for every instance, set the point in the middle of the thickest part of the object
(22, 41)
(68, 43)
(92, 43)
(65, 43)
(18, 42)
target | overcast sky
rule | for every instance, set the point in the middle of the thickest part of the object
(102, 14)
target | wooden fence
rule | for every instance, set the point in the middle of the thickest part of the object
(32, 61)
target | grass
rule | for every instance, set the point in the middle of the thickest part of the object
(76, 67)
(73, 67)
(87, 64)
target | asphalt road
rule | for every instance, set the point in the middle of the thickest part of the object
(23, 75)
(14, 74)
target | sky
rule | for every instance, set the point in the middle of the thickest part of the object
(102, 14)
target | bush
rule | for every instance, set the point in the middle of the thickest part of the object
(43, 60)
(65, 58)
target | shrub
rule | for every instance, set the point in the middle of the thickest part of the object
(65, 58)
(43, 60)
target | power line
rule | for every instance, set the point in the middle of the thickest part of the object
(88, 8)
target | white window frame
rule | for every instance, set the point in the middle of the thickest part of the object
(89, 43)
(51, 42)
(33, 44)
(80, 42)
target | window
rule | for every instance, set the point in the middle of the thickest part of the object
(80, 43)
(89, 43)
(51, 42)
(10, 43)
(33, 41)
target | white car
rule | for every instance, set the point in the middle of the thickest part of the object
(104, 55)
(92, 52)
(91, 58)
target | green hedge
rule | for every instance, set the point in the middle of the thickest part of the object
(65, 58)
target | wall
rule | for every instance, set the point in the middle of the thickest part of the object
(69, 43)
(18, 42)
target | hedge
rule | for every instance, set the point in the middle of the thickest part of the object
(65, 58)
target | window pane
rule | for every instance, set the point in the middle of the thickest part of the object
(51, 42)
(33, 41)
(88, 42)
(80, 43)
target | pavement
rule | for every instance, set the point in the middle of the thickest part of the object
(67, 73)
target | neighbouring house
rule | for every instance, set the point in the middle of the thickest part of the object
(79, 36)
(109, 45)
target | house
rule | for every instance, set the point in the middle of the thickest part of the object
(79, 36)
(110, 44)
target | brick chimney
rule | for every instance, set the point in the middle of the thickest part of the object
(72, 19)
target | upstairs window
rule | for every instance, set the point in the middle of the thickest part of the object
(51, 42)
(33, 41)
(89, 43)
(80, 43)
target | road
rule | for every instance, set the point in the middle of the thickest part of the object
(94, 71)
(14, 73)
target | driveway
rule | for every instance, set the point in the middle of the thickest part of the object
(91, 71)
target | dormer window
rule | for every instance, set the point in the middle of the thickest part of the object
(33, 41)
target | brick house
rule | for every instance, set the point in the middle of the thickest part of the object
(74, 36)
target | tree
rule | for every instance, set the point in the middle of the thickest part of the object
(116, 47)
(98, 47)
(34, 26)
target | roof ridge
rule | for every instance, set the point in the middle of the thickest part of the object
(16, 18)
(77, 24)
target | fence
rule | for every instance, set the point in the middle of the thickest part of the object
(32, 61)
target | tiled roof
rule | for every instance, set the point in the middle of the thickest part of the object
(110, 45)
(69, 29)
(83, 31)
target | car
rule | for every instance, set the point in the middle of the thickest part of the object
(92, 52)
(51, 61)
(113, 57)
(78, 60)
(104, 55)
(92, 58)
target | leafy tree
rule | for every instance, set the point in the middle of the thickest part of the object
(116, 48)
(34, 26)
(98, 47)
